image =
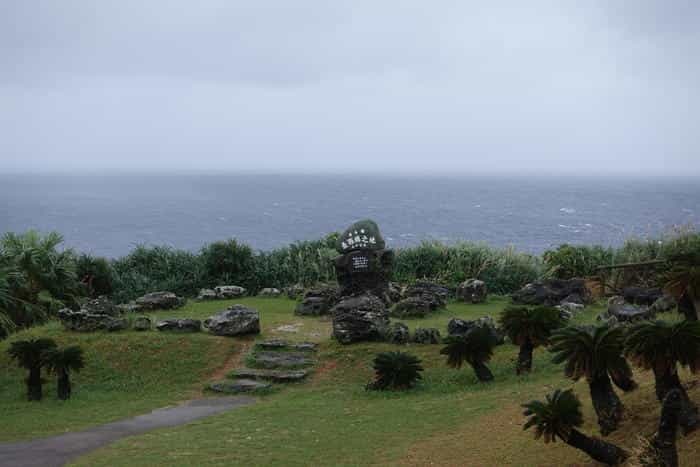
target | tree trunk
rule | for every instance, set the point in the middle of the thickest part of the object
(483, 373)
(667, 381)
(597, 449)
(606, 404)
(624, 382)
(34, 390)
(63, 386)
(665, 440)
(525, 357)
(689, 306)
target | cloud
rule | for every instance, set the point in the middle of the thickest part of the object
(311, 85)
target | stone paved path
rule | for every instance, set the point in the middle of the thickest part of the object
(59, 450)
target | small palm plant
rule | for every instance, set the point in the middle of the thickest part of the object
(683, 281)
(529, 328)
(559, 416)
(61, 362)
(475, 348)
(31, 355)
(661, 346)
(395, 370)
(595, 352)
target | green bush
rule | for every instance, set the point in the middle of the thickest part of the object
(151, 269)
(95, 274)
(569, 261)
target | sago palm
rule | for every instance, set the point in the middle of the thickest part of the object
(31, 354)
(559, 416)
(62, 362)
(595, 353)
(475, 348)
(683, 281)
(529, 328)
(661, 346)
(395, 370)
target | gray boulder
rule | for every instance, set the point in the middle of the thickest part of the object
(235, 321)
(160, 301)
(206, 294)
(279, 344)
(414, 307)
(131, 307)
(276, 376)
(624, 312)
(426, 336)
(95, 315)
(568, 310)
(180, 325)
(270, 292)
(359, 318)
(229, 291)
(294, 292)
(318, 301)
(142, 323)
(273, 359)
(552, 292)
(641, 296)
(101, 306)
(460, 327)
(472, 291)
(397, 333)
(420, 288)
(393, 292)
(663, 304)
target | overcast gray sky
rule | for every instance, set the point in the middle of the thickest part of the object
(318, 85)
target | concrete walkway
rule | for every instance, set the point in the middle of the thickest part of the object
(59, 450)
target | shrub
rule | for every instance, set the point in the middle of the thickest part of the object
(229, 263)
(95, 274)
(395, 370)
(569, 261)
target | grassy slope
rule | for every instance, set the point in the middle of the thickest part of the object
(450, 419)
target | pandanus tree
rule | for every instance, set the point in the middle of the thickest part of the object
(559, 416)
(683, 282)
(62, 362)
(595, 353)
(529, 328)
(475, 348)
(661, 346)
(31, 354)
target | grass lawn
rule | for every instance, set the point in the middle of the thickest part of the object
(449, 419)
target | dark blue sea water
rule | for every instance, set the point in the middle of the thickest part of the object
(110, 214)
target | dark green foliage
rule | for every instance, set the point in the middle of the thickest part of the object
(37, 278)
(62, 362)
(395, 370)
(595, 353)
(660, 346)
(529, 328)
(558, 417)
(683, 278)
(31, 354)
(569, 261)
(152, 269)
(554, 418)
(95, 274)
(228, 263)
(475, 348)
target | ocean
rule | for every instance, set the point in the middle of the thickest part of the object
(109, 214)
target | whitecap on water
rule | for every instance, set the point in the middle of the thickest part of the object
(568, 210)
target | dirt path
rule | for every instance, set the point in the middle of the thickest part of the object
(59, 450)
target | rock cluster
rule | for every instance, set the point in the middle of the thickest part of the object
(359, 318)
(460, 327)
(180, 325)
(397, 333)
(99, 314)
(234, 321)
(159, 301)
(222, 292)
(472, 291)
(552, 292)
(318, 301)
(420, 299)
(426, 336)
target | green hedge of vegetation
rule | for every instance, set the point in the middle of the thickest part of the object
(37, 277)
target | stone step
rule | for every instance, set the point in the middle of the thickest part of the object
(276, 376)
(272, 359)
(238, 386)
(277, 344)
